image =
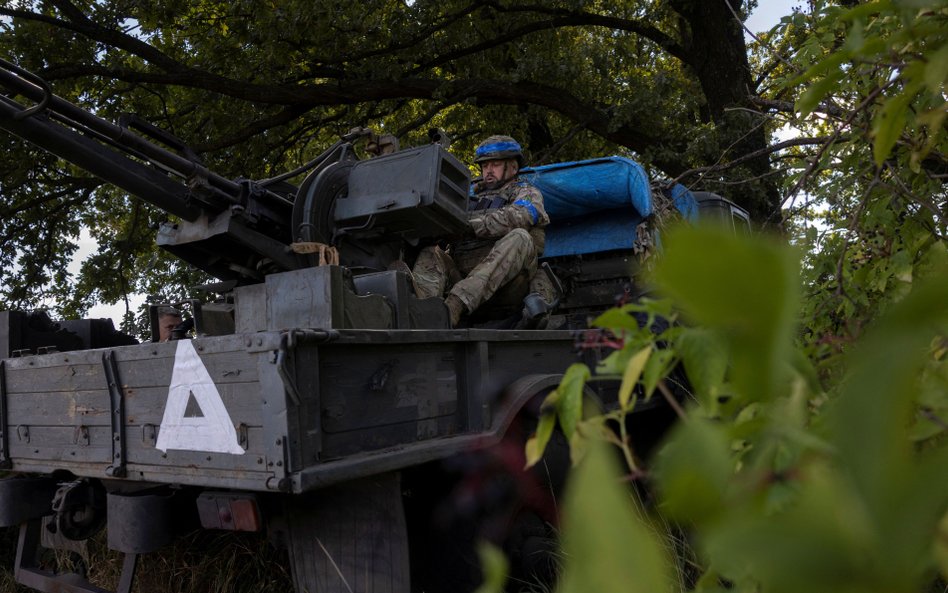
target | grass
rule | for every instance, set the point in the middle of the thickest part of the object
(202, 561)
(8, 541)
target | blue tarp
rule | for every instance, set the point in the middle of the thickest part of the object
(685, 202)
(605, 230)
(595, 205)
(578, 188)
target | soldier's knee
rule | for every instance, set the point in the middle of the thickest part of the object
(519, 239)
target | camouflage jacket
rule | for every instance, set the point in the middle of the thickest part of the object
(515, 205)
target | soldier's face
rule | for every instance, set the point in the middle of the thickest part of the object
(498, 172)
(166, 323)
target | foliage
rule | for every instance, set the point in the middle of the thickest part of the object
(901, 46)
(785, 486)
(817, 463)
(812, 454)
(495, 568)
(870, 82)
(257, 90)
(596, 513)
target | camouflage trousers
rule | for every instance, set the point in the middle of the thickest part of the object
(474, 280)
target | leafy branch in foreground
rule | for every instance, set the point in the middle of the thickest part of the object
(783, 486)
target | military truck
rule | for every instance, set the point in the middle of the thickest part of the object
(314, 397)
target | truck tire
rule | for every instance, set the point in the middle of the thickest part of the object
(349, 538)
(532, 540)
(485, 495)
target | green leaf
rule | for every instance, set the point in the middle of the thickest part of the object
(817, 92)
(692, 471)
(616, 319)
(705, 356)
(745, 289)
(593, 430)
(889, 121)
(657, 368)
(856, 37)
(608, 544)
(569, 403)
(804, 368)
(495, 567)
(615, 363)
(537, 443)
(941, 546)
(814, 545)
(865, 10)
(936, 71)
(878, 397)
(630, 377)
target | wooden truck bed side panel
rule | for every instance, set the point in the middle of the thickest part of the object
(286, 407)
(59, 413)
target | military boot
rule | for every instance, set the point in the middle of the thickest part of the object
(536, 312)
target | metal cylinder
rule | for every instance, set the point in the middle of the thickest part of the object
(141, 522)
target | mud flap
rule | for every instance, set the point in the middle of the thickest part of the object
(350, 537)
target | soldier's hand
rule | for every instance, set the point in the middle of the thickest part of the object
(475, 226)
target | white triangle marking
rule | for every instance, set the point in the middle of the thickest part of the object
(214, 432)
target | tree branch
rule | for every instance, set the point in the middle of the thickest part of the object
(770, 149)
(77, 184)
(763, 43)
(80, 23)
(422, 36)
(598, 119)
(659, 37)
(837, 134)
(573, 20)
(788, 106)
(254, 128)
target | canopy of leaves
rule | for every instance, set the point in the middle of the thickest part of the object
(812, 451)
(259, 88)
(871, 80)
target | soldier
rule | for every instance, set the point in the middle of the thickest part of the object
(507, 220)
(168, 319)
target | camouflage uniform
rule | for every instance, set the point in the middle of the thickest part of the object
(508, 225)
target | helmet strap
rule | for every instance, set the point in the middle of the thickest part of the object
(508, 164)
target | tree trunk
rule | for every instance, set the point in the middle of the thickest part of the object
(717, 53)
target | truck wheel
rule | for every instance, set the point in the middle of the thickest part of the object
(485, 495)
(531, 543)
(349, 538)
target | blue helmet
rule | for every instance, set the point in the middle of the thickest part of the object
(498, 148)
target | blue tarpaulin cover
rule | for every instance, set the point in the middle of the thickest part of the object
(578, 188)
(685, 202)
(595, 205)
(605, 230)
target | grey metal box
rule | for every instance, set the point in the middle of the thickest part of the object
(416, 193)
(321, 297)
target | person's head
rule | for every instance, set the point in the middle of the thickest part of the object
(500, 158)
(168, 319)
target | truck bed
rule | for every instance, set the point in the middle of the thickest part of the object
(270, 411)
